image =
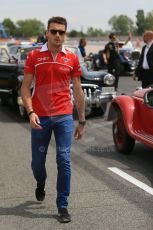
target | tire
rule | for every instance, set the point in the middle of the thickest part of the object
(123, 142)
(99, 111)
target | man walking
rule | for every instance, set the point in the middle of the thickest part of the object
(144, 70)
(50, 109)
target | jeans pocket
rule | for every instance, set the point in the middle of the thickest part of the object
(44, 121)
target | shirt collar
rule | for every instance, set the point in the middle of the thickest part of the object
(45, 48)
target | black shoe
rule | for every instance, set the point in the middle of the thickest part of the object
(40, 192)
(63, 215)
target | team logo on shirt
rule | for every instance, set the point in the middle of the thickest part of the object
(43, 59)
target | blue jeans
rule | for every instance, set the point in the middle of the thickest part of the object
(62, 126)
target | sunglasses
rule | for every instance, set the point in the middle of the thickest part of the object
(54, 32)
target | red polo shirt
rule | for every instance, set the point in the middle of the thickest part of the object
(51, 93)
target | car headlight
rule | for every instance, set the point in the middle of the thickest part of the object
(127, 55)
(109, 79)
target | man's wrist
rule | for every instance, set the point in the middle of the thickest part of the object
(83, 123)
(31, 112)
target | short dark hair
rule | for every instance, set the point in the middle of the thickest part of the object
(59, 20)
(81, 40)
(111, 35)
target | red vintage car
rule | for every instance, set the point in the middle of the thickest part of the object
(132, 119)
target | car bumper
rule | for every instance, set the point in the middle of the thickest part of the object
(102, 98)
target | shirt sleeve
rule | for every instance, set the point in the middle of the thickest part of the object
(76, 72)
(29, 67)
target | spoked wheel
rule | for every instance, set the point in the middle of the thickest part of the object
(123, 142)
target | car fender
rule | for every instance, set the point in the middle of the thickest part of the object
(125, 104)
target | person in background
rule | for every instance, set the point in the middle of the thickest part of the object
(42, 39)
(111, 57)
(82, 44)
(144, 70)
(50, 109)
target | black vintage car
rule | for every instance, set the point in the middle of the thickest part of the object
(11, 74)
(98, 86)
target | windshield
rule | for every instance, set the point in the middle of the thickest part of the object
(76, 51)
(24, 52)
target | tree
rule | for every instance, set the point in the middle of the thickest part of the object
(140, 22)
(149, 21)
(30, 27)
(9, 26)
(94, 32)
(122, 24)
(75, 33)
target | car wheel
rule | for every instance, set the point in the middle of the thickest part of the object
(100, 111)
(22, 112)
(123, 142)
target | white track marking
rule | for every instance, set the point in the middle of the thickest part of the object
(132, 180)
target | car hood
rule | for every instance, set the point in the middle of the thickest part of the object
(92, 74)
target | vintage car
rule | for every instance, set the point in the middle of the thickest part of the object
(132, 119)
(98, 86)
(5, 50)
(11, 74)
(129, 58)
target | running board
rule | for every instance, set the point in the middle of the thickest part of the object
(145, 136)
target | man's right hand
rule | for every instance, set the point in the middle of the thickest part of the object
(34, 121)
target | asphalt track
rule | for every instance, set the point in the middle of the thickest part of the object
(105, 192)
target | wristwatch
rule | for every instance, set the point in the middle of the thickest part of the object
(83, 123)
(30, 113)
